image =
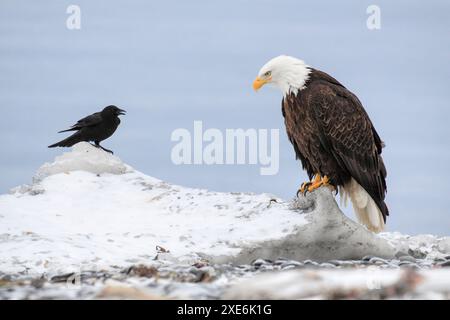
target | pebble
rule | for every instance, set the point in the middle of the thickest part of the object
(378, 261)
(280, 262)
(259, 262)
(194, 274)
(347, 264)
(244, 267)
(291, 265)
(408, 264)
(445, 264)
(266, 267)
(327, 265)
(288, 267)
(407, 258)
(335, 262)
(310, 262)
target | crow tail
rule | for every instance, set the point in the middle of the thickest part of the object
(68, 142)
(71, 129)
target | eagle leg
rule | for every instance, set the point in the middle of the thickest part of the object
(306, 185)
(322, 181)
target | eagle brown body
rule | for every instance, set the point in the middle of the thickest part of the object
(332, 135)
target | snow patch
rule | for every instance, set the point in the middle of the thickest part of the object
(83, 157)
(88, 209)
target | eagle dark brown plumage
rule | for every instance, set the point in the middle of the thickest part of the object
(333, 136)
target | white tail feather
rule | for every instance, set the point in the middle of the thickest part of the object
(365, 208)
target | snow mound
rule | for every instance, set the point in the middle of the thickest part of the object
(83, 157)
(89, 211)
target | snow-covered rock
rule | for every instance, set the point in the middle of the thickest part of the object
(328, 235)
(88, 210)
(422, 246)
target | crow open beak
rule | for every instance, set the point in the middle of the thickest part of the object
(121, 112)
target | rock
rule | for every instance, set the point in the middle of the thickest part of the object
(445, 264)
(68, 277)
(291, 265)
(327, 265)
(377, 261)
(280, 261)
(335, 262)
(408, 264)
(347, 264)
(143, 271)
(407, 258)
(259, 262)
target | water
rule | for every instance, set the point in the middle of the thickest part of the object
(170, 63)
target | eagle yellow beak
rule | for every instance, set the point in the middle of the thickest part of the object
(258, 83)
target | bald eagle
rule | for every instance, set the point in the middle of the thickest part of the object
(332, 136)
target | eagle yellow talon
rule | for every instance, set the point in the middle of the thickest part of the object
(303, 188)
(306, 186)
(319, 183)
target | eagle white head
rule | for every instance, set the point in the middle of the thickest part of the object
(287, 73)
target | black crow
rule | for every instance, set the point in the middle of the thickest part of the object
(96, 127)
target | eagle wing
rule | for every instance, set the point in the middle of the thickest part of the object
(88, 121)
(299, 135)
(347, 133)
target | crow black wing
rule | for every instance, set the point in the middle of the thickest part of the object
(88, 121)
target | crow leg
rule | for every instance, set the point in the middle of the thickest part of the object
(97, 145)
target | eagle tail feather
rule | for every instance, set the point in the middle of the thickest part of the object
(366, 209)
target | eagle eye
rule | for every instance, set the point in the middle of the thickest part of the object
(268, 73)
